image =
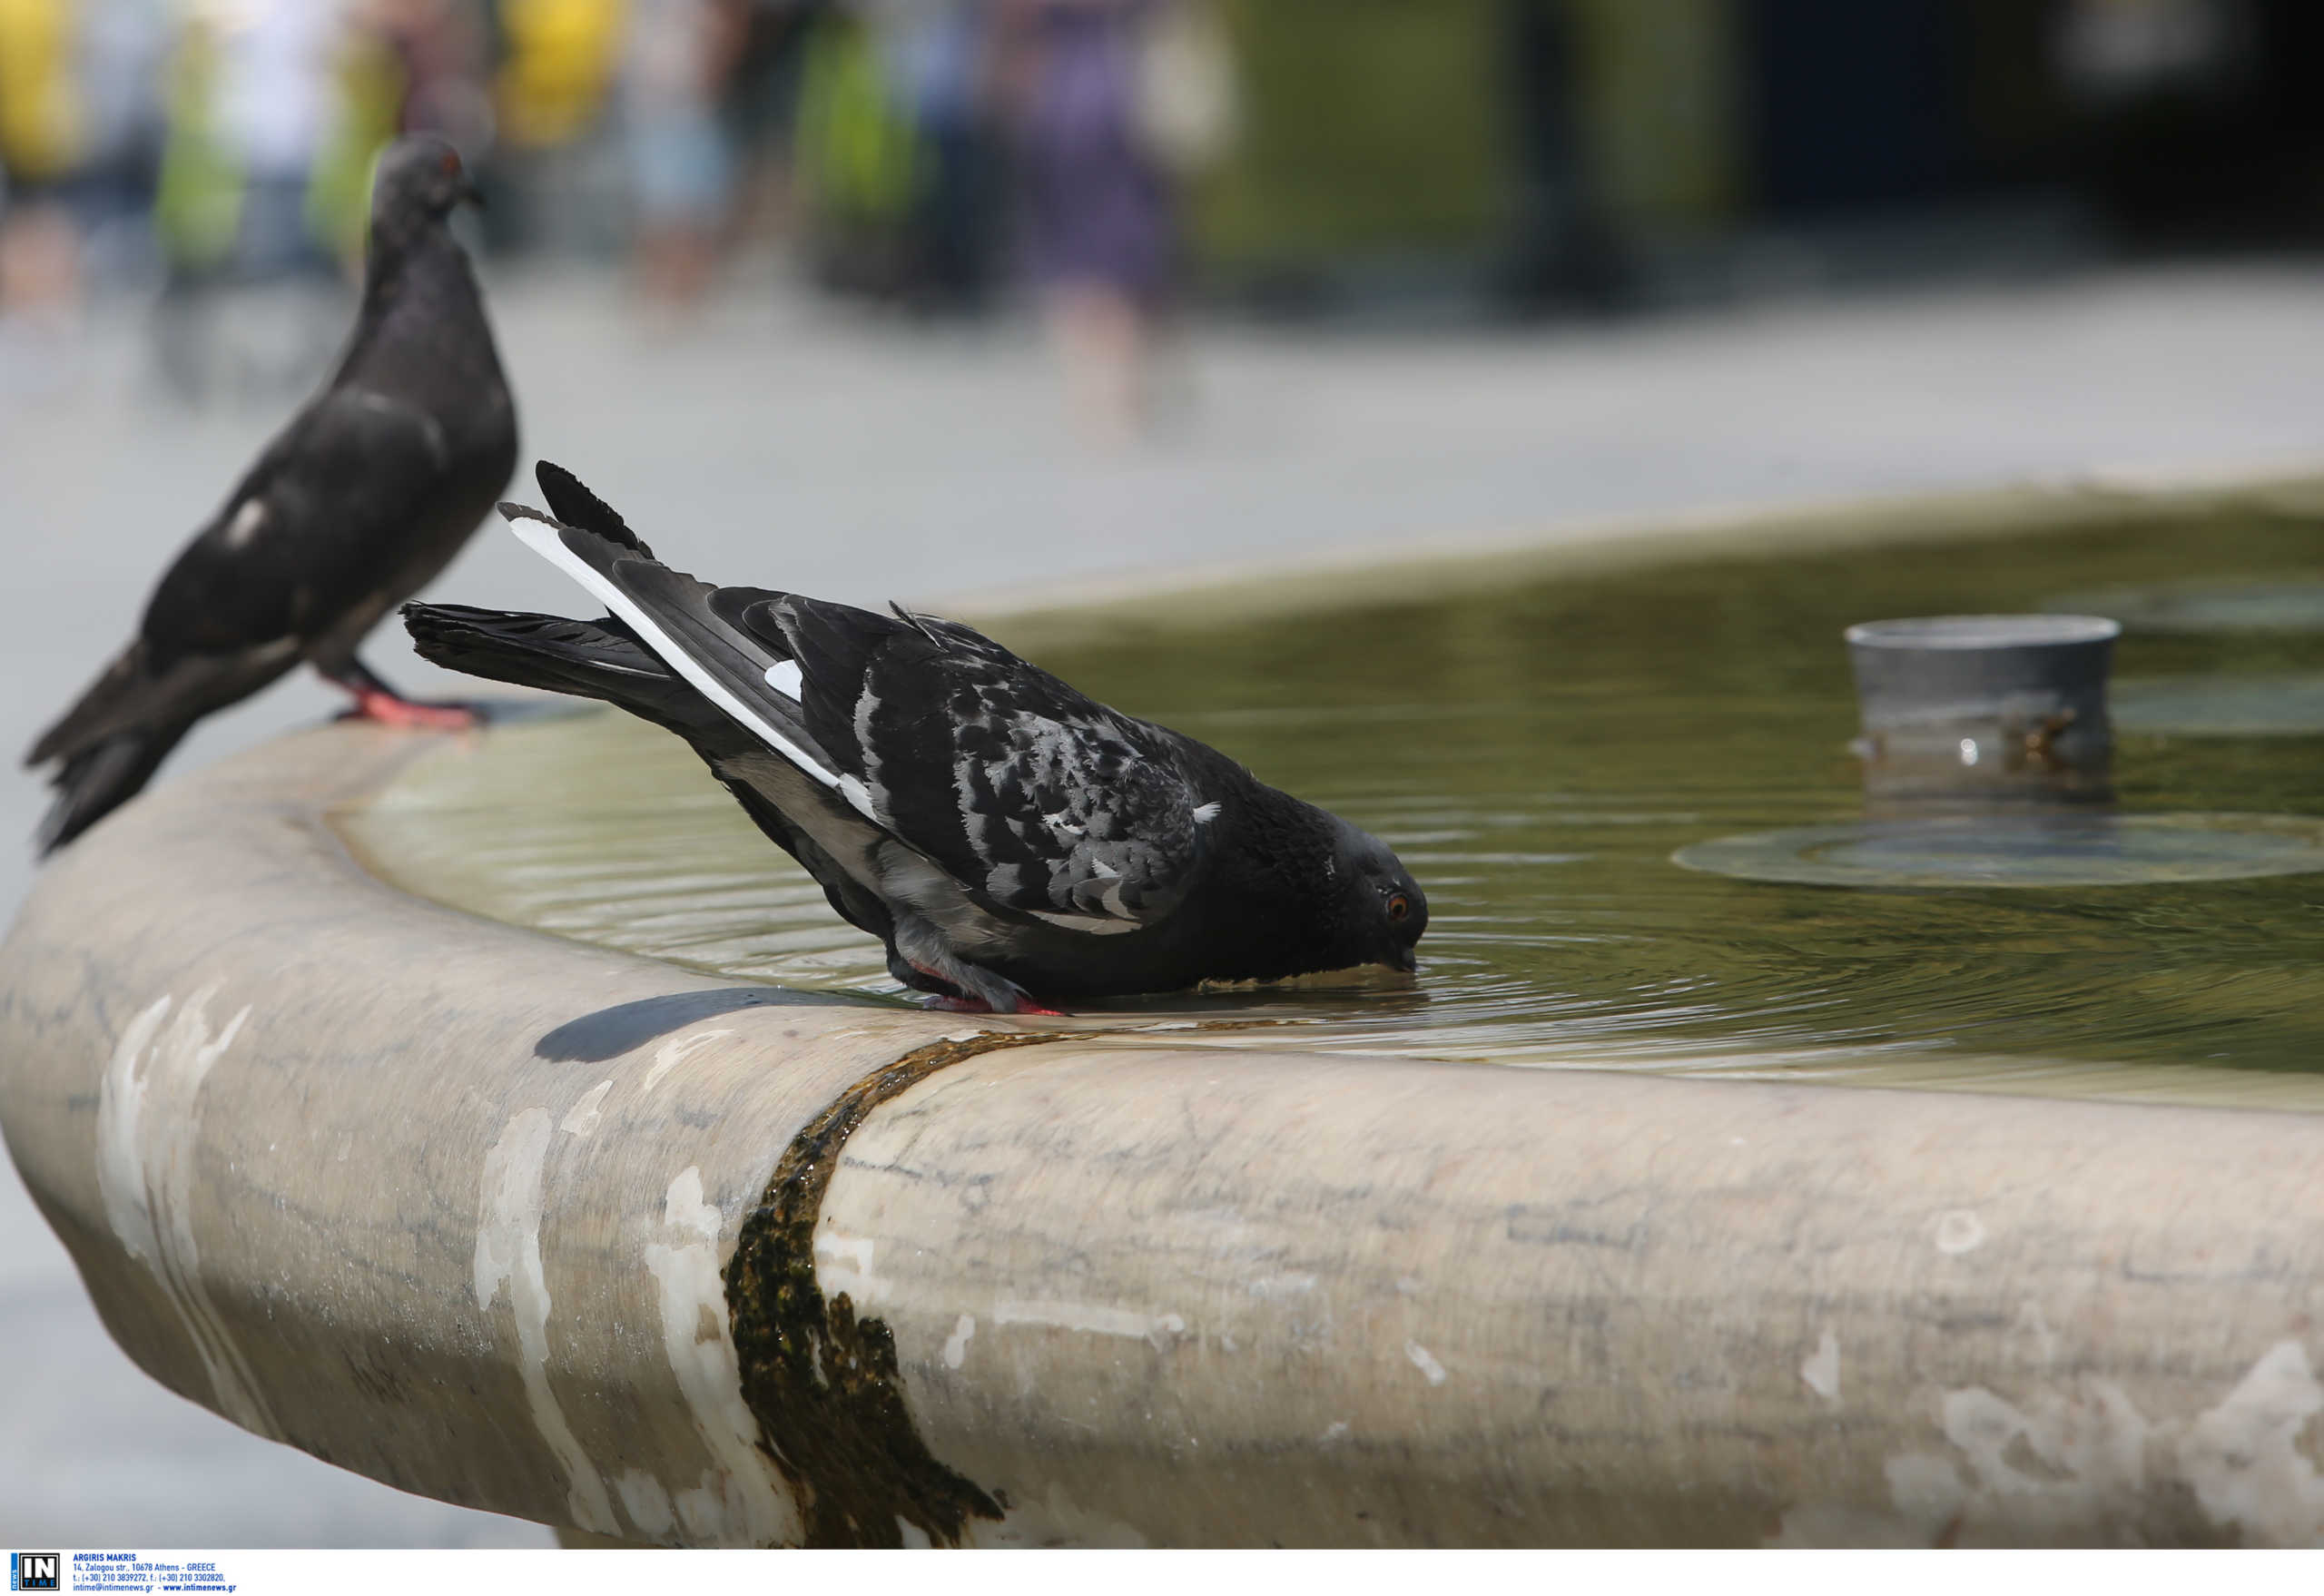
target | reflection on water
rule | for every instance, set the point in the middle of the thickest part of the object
(2033, 847)
(2222, 706)
(1536, 754)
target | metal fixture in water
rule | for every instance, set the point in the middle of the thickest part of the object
(1985, 707)
(1987, 754)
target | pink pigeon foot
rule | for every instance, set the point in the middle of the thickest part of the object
(978, 1005)
(391, 711)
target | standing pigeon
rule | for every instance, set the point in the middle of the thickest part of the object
(1007, 837)
(358, 503)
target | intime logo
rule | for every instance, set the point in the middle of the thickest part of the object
(33, 1571)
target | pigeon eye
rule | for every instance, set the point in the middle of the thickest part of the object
(1398, 908)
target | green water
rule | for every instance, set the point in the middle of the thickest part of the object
(1535, 753)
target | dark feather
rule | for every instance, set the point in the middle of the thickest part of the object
(99, 777)
(572, 503)
(600, 659)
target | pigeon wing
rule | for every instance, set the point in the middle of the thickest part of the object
(1034, 796)
(314, 529)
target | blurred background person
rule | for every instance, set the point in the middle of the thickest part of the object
(857, 164)
(555, 185)
(271, 113)
(1109, 102)
(271, 97)
(681, 54)
(433, 55)
(940, 56)
(898, 162)
(42, 136)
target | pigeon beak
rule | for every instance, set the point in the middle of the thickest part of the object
(468, 193)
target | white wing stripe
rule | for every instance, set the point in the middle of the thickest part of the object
(542, 538)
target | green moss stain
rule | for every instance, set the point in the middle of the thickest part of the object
(824, 1381)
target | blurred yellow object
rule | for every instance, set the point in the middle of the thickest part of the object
(41, 122)
(561, 57)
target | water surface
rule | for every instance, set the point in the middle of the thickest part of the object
(1536, 753)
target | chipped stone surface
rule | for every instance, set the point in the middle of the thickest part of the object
(1425, 1362)
(2079, 1462)
(321, 1173)
(1121, 1296)
(1959, 1231)
(742, 1499)
(2244, 1459)
(149, 1128)
(956, 1345)
(1821, 1370)
(508, 1265)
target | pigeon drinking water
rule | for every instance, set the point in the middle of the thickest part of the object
(1012, 841)
(356, 504)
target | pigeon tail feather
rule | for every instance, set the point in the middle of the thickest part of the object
(570, 500)
(590, 659)
(109, 699)
(100, 777)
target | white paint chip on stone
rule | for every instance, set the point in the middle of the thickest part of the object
(1822, 1369)
(647, 1503)
(2243, 1457)
(508, 1254)
(585, 1116)
(2059, 1462)
(1273, 1287)
(844, 1263)
(676, 1052)
(1160, 1329)
(956, 1345)
(149, 1127)
(1425, 1363)
(743, 1500)
(1959, 1231)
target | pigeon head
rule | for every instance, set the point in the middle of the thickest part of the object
(418, 181)
(1383, 911)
